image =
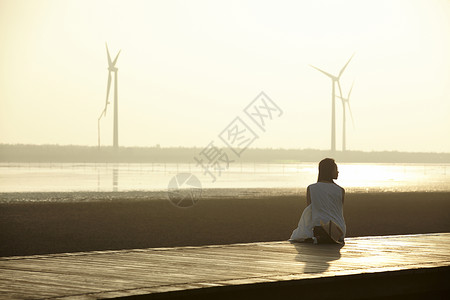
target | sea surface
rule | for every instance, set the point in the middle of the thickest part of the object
(238, 178)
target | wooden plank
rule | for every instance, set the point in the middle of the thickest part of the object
(144, 271)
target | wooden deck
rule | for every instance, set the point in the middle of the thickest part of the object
(378, 266)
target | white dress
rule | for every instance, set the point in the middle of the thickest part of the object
(326, 205)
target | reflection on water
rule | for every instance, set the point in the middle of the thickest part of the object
(66, 177)
(115, 179)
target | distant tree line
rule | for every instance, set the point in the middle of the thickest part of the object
(73, 153)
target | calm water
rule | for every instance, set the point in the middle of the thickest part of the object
(122, 177)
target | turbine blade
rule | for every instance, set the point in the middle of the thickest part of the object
(103, 113)
(345, 66)
(108, 88)
(109, 56)
(350, 92)
(351, 115)
(340, 89)
(115, 59)
(328, 74)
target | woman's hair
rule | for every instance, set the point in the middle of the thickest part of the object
(326, 169)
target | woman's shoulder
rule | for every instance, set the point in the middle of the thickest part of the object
(327, 184)
(312, 185)
(340, 187)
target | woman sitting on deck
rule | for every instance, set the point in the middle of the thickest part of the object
(322, 220)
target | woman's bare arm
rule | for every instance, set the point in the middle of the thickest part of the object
(308, 197)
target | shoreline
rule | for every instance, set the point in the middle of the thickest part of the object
(160, 195)
(29, 228)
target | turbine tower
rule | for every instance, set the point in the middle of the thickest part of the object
(345, 101)
(334, 79)
(111, 68)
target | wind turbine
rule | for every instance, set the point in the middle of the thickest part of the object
(334, 79)
(111, 68)
(344, 101)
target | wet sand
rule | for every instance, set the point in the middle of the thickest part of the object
(28, 228)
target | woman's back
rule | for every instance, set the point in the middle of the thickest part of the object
(326, 202)
(324, 213)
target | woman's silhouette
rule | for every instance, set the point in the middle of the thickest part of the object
(323, 219)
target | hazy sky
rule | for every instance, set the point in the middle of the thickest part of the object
(188, 68)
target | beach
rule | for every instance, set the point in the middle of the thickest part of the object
(43, 227)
